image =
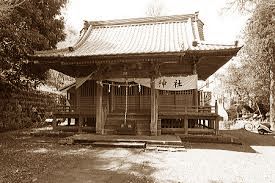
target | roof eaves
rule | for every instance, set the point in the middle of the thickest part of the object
(232, 50)
(109, 57)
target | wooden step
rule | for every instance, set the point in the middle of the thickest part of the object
(109, 131)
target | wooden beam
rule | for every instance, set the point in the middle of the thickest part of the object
(99, 122)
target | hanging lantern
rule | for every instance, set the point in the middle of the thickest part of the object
(139, 88)
(118, 86)
(109, 88)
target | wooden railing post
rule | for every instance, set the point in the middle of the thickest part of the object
(103, 119)
(185, 125)
(216, 107)
(80, 123)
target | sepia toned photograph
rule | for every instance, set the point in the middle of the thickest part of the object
(137, 91)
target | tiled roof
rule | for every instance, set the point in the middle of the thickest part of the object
(167, 34)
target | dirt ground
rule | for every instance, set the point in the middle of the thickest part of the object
(24, 158)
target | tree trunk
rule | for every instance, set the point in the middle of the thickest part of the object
(272, 95)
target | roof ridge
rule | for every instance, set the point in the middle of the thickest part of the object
(144, 20)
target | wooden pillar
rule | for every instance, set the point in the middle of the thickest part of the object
(69, 121)
(78, 95)
(196, 98)
(99, 112)
(154, 109)
(80, 123)
(77, 99)
(217, 126)
(185, 125)
(216, 107)
(217, 119)
(54, 123)
(140, 100)
(157, 113)
(112, 95)
(195, 94)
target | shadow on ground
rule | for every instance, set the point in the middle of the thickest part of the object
(247, 138)
(251, 138)
(104, 165)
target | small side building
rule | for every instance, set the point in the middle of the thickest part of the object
(139, 76)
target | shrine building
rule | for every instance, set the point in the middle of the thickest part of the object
(139, 76)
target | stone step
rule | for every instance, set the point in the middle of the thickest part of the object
(128, 119)
(169, 148)
(209, 139)
(117, 144)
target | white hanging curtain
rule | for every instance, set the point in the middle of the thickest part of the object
(179, 83)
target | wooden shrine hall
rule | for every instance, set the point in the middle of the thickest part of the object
(139, 76)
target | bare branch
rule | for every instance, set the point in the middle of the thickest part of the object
(243, 6)
(155, 9)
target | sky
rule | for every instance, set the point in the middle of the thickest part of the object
(219, 27)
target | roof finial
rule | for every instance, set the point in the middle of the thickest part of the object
(85, 27)
(196, 15)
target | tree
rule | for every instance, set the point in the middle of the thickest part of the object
(258, 53)
(29, 26)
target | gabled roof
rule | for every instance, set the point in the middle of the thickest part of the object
(165, 34)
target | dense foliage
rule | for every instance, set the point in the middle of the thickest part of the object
(33, 25)
(252, 79)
